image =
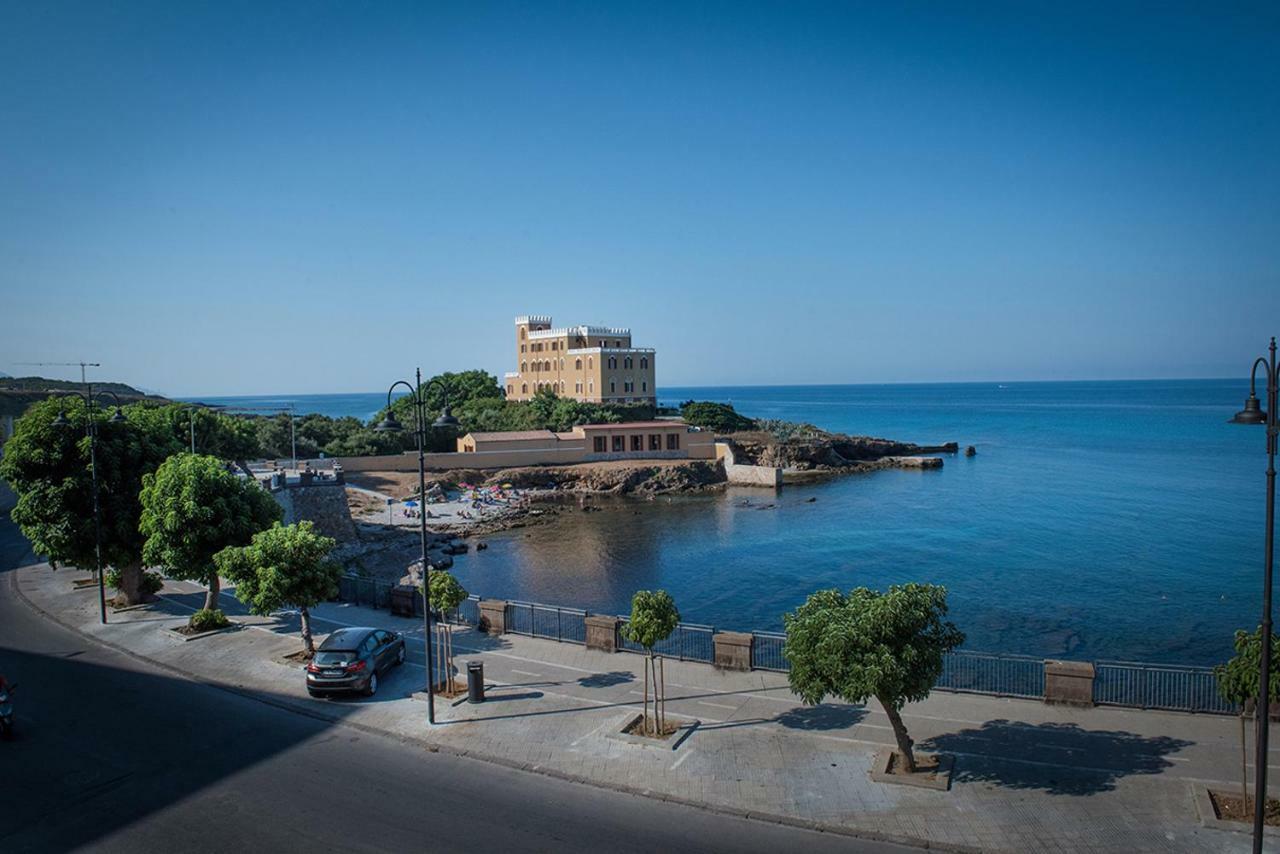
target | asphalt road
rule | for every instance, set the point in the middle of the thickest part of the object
(112, 754)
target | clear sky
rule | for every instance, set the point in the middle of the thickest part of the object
(223, 198)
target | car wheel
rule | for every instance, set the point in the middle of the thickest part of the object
(371, 688)
(400, 656)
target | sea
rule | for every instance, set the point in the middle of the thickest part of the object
(1097, 520)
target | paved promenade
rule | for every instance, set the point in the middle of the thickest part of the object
(1028, 776)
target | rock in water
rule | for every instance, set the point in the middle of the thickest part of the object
(970, 451)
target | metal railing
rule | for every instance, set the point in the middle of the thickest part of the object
(1158, 686)
(689, 642)
(1118, 683)
(567, 625)
(998, 675)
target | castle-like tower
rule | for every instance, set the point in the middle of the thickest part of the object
(588, 363)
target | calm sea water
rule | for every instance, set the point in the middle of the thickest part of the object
(1098, 520)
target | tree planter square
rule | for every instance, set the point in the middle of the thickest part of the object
(683, 728)
(1209, 815)
(937, 778)
(185, 637)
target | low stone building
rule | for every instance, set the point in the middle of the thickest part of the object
(632, 440)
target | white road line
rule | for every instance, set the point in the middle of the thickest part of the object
(730, 708)
(524, 672)
(676, 764)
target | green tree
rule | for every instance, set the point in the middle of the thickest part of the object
(653, 618)
(1238, 684)
(283, 566)
(48, 467)
(447, 593)
(870, 644)
(193, 508)
(720, 417)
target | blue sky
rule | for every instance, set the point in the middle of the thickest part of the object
(225, 198)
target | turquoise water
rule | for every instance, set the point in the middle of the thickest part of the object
(1098, 520)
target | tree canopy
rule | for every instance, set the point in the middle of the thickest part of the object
(48, 467)
(654, 617)
(869, 644)
(720, 417)
(285, 565)
(192, 508)
(1238, 678)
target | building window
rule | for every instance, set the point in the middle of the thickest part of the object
(600, 445)
(626, 363)
(577, 366)
(577, 388)
(613, 366)
(591, 389)
(509, 387)
(637, 443)
(524, 347)
(673, 441)
(562, 392)
(555, 345)
(644, 363)
(524, 389)
(615, 346)
(655, 444)
(613, 387)
(562, 364)
(590, 361)
(524, 369)
(522, 338)
(620, 445)
(644, 386)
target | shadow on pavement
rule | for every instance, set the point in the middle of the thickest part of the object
(821, 717)
(1084, 762)
(607, 680)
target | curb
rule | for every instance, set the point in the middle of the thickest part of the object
(622, 788)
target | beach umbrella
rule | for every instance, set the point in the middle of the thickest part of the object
(506, 486)
(411, 503)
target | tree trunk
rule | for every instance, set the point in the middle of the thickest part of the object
(661, 680)
(900, 735)
(211, 595)
(307, 642)
(130, 589)
(645, 721)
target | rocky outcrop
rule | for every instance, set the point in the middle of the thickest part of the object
(325, 506)
(825, 451)
(614, 478)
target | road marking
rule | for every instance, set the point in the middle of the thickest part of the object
(733, 708)
(676, 764)
(527, 673)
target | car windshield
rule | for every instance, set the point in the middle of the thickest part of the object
(337, 656)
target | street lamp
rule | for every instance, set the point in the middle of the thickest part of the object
(91, 429)
(389, 424)
(1254, 414)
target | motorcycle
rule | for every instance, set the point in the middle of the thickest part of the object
(6, 712)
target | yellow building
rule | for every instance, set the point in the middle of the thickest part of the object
(596, 364)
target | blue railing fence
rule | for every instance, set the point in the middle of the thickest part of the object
(1118, 683)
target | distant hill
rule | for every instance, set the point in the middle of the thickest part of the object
(17, 393)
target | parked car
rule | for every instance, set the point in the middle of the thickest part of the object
(352, 659)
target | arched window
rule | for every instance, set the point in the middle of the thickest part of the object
(626, 363)
(522, 338)
(644, 363)
(524, 389)
(577, 366)
(614, 387)
(562, 363)
(524, 369)
(562, 392)
(509, 387)
(590, 362)
(613, 363)
(644, 386)
(546, 366)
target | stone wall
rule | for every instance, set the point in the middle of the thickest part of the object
(740, 475)
(325, 506)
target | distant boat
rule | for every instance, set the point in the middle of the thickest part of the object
(1002, 386)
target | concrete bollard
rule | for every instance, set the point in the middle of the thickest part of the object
(493, 616)
(602, 632)
(732, 650)
(1068, 682)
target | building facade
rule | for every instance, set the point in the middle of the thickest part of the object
(595, 364)
(634, 440)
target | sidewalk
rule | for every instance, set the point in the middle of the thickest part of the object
(1028, 776)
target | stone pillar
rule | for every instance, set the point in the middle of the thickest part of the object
(732, 650)
(1068, 682)
(493, 616)
(602, 632)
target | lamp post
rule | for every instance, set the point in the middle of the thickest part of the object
(389, 424)
(1254, 414)
(91, 429)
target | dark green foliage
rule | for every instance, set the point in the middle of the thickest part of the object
(1238, 679)
(720, 417)
(48, 468)
(150, 585)
(193, 508)
(285, 565)
(208, 619)
(870, 644)
(654, 617)
(447, 592)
